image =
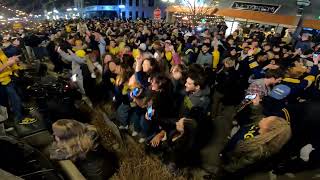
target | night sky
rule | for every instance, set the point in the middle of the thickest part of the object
(35, 6)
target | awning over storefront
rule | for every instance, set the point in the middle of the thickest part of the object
(259, 16)
(314, 24)
(244, 14)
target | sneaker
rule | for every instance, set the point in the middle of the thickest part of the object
(142, 140)
(121, 127)
(9, 129)
(27, 120)
(134, 134)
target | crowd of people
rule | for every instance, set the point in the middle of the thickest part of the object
(171, 83)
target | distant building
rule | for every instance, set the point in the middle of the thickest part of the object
(126, 9)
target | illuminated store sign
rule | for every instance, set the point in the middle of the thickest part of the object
(269, 8)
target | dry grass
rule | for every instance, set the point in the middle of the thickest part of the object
(136, 165)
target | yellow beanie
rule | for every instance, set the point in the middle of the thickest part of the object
(81, 53)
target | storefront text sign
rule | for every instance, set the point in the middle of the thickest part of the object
(269, 8)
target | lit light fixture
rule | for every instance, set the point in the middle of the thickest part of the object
(122, 6)
(55, 11)
(69, 9)
(1, 17)
(75, 9)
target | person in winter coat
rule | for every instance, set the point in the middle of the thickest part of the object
(227, 90)
(197, 100)
(204, 57)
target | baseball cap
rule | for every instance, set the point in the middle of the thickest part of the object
(280, 92)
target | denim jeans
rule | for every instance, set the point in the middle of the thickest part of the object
(126, 114)
(136, 116)
(14, 101)
(123, 114)
(148, 128)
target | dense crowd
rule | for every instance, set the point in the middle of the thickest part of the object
(171, 83)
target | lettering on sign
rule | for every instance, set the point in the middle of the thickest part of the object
(269, 8)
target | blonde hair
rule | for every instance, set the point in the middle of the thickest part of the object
(268, 143)
(228, 61)
(74, 137)
(295, 72)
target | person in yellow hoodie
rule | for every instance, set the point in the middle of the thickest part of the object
(6, 70)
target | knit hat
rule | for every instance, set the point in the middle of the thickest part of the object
(81, 53)
(280, 92)
(143, 47)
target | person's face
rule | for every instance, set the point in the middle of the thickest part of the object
(205, 49)
(304, 37)
(254, 44)
(113, 67)
(154, 85)
(176, 73)
(231, 42)
(107, 58)
(234, 34)
(264, 125)
(262, 58)
(195, 42)
(146, 66)
(276, 49)
(266, 48)
(118, 70)
(233, 52)
(275, 81)
(207, 41)
(245, 44)
(113, 44)
(180, 125)
(190, 86)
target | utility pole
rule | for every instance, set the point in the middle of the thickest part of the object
(79, 5)
(301, 5)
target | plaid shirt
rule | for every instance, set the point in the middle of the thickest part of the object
(258, 87)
